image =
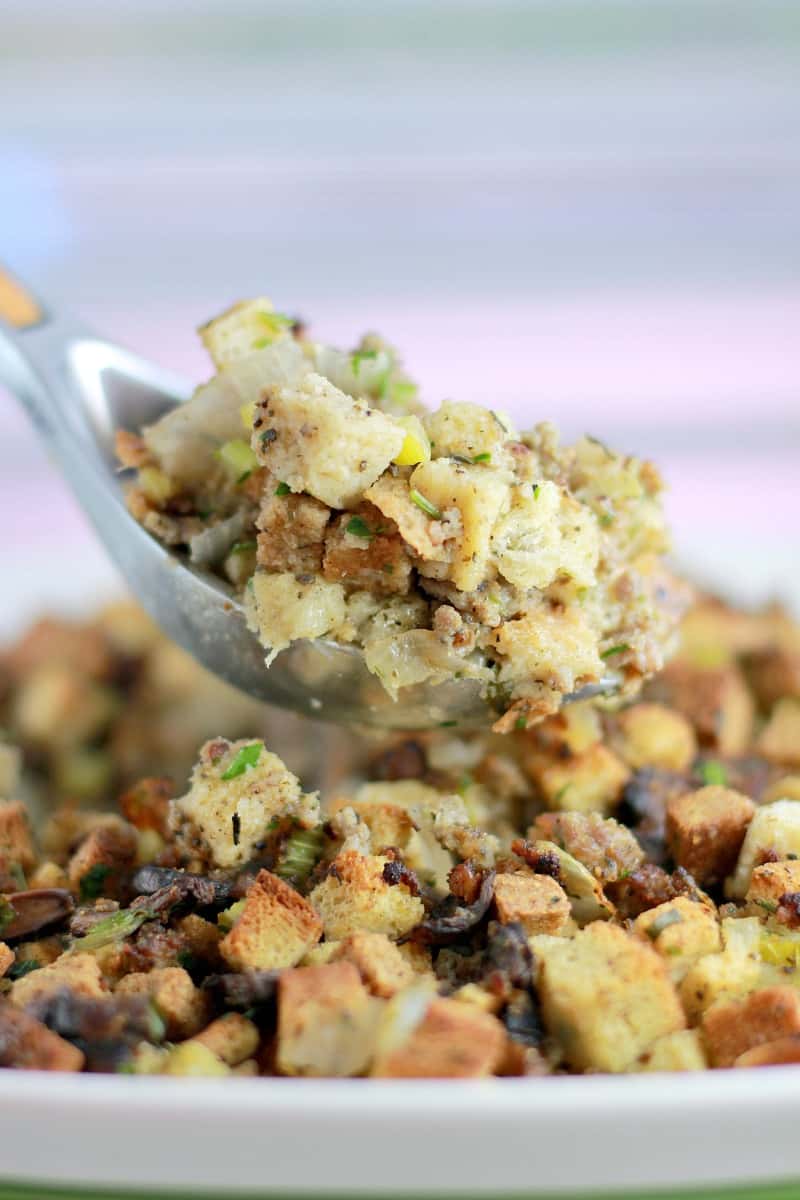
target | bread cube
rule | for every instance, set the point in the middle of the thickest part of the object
(590, 782)
(544, 535)
(326, 1021)
(681, 1051)
(79, 973)
(537, 902)
(6, 958)
(681, 931)
(101, 859)
(773, 673)
(224, 820)
(280, 609)
(731, 973)
(319, 440)
(775, 832)
(716, 700)
(478, 493)
(771, 881)
(365, 550)
(183, 1007)
(356, 897)
(605, 997)
(16, 843)
(275, 928)
(734, 1028)
(557, 647)
(451, 1041)
(291, 533)
(382, 967)
(779, 740)
(705, 831)
(241, 329)
(29, 1045)
(652, 735)
(232, 1038)
(466, 430)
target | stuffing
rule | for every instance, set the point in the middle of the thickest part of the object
(537, 902)
(102, 858)
(274, 928)
(682, 931)
(605, 847)
(605, 998)
(181, 1005)
(291, 533)
(319, 440)
(448, 1040)
(364, 550)
(283, 608)
(732, 1029)
(238, 792)
(733, 972)
(79, 973)
(714, 699)
(326, 1021)
(770, 882)
(652, 735)
(705, 830)
(356, 896)
(6, 958)
(779, 740)
(681, 1051)
(16, 843)
(380, 963)
(591, 781)
(773, 832)
(28, 1045)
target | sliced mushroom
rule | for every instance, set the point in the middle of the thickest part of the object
(24, 913)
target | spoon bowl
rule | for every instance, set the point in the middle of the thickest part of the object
(79, 390)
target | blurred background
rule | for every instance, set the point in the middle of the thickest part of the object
(585, 210)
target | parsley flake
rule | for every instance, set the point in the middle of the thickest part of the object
(421, 502)
(247, 757)
(359, 528)
(612, 650)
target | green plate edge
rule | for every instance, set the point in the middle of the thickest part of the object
(785, 1190)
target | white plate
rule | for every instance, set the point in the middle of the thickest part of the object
(566, 1136)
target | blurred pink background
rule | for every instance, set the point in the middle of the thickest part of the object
(584, 210)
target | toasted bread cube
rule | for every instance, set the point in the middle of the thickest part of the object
(681, 1051)
(605, 997)
(558, 648)
(765, 1016)
(771, 881)
(681, 931)
(374, 557)
(319, 440)
(29, 1045)
(292, 533)
(587, 782)
(102, 857)
(16, 843)
(193, 1058)
(536, 901)
(379, 962)
(48, 874)
(733, 972)
(355, 897)
(80, 973)
(231, 1037)
(716, 700)
(202, 938)
(320, 955)
(281, 609)
(478, 493)
(779, 740)
(275, 929)
(6, 958)
(42, 951)
(241, 329)
(706, 829)
(773, 832)
(326, 1021)
(224, 820)
(451, 1041)
(652, 735)
(183, 1006)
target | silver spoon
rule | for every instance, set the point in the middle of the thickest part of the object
(79, 390)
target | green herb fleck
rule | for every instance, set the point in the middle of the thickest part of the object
(283, 489)
(561, 793)
(402, 391)
(205, 513)
(388, 568)
(359, 528)
(482, 458)
(426, 506)
(276, 323)
(605, 520)
(243, 547)
(18, 970)
(768, 905)
(713, 772)
(464, 783)
(268, 437)
(91, 885)
(612, 650)
(261, 343)
(360, 356)
(243, 477)
(447, 724)
(521, 722)
(248, 756)
(187, 960)
(537, 487)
